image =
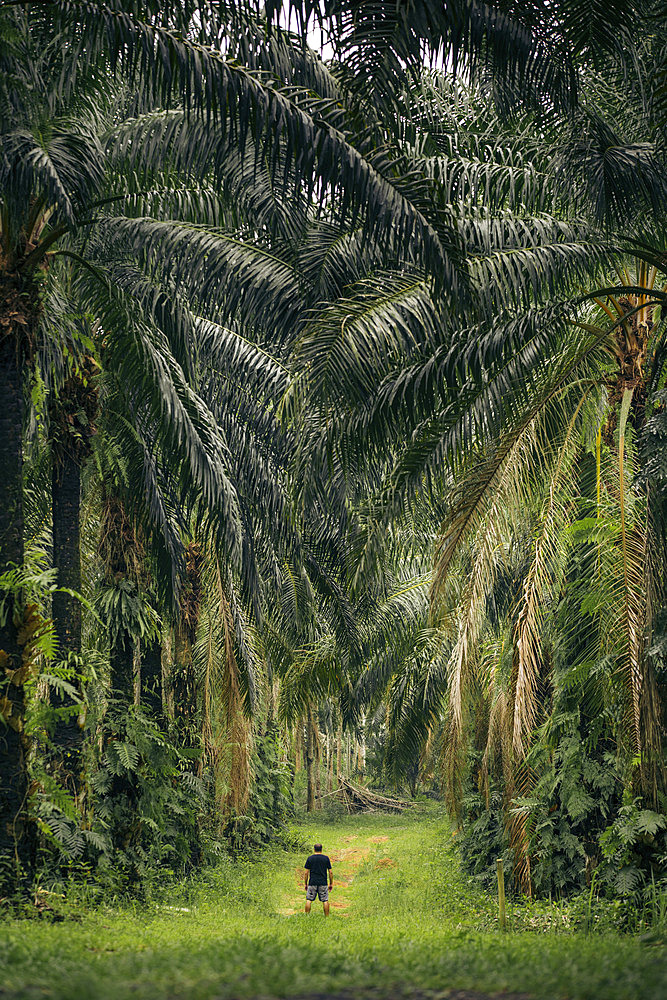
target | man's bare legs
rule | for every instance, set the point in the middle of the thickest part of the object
(326, 907)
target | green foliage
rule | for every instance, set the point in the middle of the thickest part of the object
(124, 609)
(653, 445)
(634, 855)
(484, 839)
(270, 805)
(146, 801)
(578, 789)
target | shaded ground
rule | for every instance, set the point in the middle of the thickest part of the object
(415, 995)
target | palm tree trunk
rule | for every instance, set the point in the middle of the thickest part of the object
(151, 676)
(298, 741)
(316, 745)
(121, 554)
(182, 678)
(14, 843)
(310, 761)
(73, 412)
(362, 745)
(330, 760)
(121, 664)
(66, 610)
(339, 752)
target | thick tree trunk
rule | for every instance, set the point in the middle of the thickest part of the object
(182, 679)
(66, 610)
(14, 841)
(66, 486)
(121, 554)
(121, 663)
(310, 765)
(151, 676)
(73, 412)
(330, 764)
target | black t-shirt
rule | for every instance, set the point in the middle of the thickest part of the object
(318, 865)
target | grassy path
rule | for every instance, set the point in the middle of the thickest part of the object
(404, 923)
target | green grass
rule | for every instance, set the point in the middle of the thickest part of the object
(411, 922)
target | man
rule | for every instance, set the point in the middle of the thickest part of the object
(317, 866)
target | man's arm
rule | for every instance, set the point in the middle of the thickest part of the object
(306, 879)
(330, 877)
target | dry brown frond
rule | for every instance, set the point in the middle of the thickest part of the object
(517, 827)
(453, 765)
(633, 553)
(543, 572)
(503, 506)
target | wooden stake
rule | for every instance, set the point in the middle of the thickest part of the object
(501, 895)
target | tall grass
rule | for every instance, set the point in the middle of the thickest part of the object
(413, 922)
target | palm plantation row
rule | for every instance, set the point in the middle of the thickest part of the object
(333, 416)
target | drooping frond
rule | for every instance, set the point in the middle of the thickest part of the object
(539, 583)
(349, 344)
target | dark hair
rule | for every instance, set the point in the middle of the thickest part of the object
(318, 847)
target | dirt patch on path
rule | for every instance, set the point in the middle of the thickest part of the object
(355, 855)
(349, 859)
(378, 840)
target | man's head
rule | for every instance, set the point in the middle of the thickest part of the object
(318, 848)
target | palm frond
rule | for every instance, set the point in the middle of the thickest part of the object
(543, 574)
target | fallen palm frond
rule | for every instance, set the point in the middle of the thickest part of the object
(358, 799)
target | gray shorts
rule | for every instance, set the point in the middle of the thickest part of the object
(313, 891)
